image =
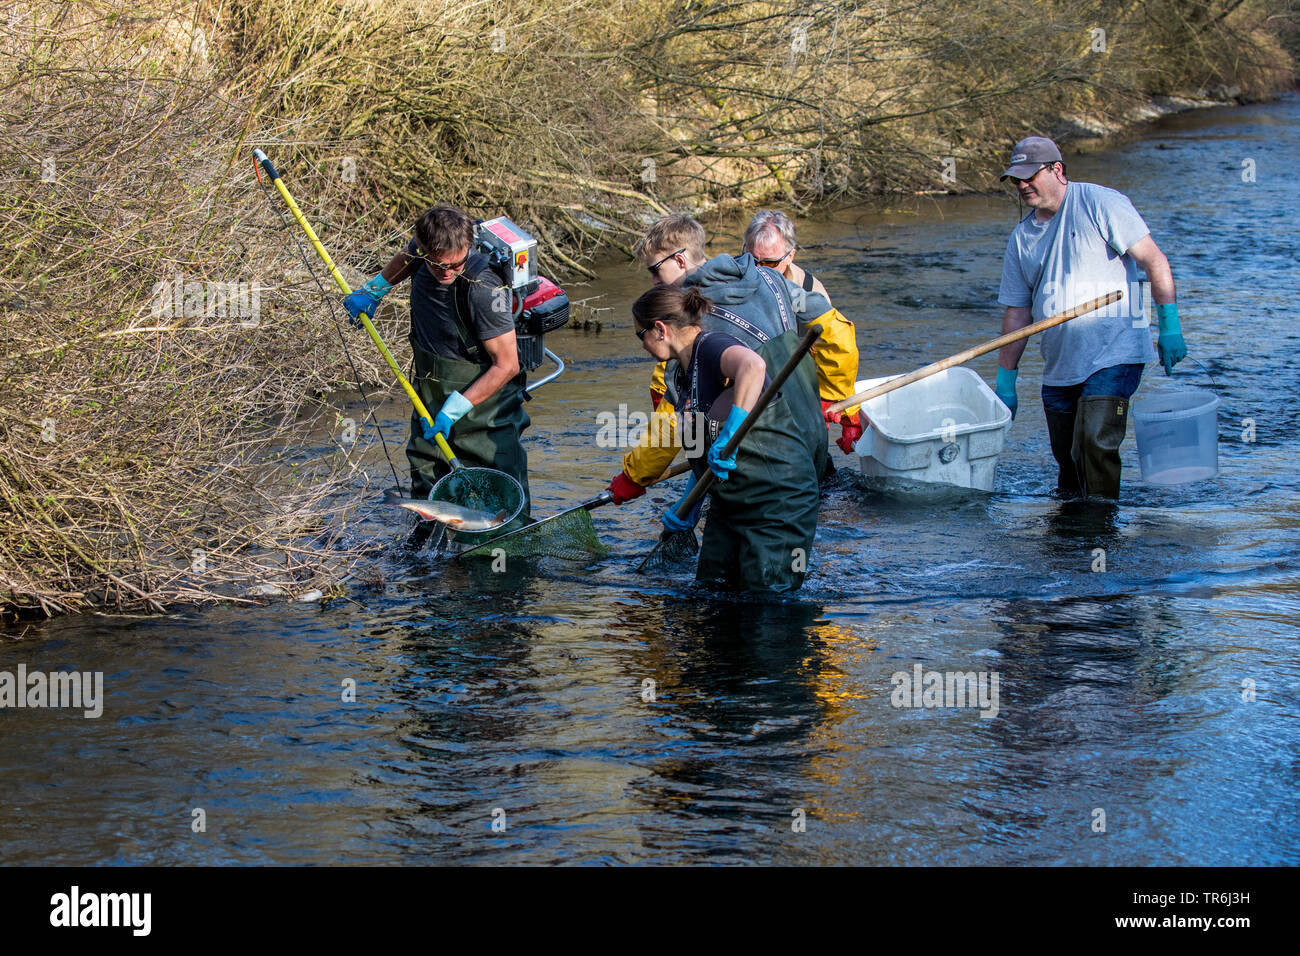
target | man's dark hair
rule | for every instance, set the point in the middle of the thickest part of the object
(442, 230)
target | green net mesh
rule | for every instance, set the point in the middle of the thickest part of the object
(483, 489)
(676, 551)
(569, 536)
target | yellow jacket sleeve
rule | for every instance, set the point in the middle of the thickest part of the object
(650, 459)
(657, 385)
(836, 356)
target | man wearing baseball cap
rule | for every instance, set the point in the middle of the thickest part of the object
(1081, 241)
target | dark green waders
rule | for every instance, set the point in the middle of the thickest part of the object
(1099, 427)
(761, 521)
(487, 437)
(1060, 432)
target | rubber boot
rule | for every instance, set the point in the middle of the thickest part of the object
(1099, 428)
(420, 485)
(828, 473)
(421, 532)
(1060, 431)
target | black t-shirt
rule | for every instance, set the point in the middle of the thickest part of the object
(706, 367)
(433, 307)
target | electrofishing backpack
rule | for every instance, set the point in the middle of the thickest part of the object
(539, 305)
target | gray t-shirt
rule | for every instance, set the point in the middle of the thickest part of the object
(1078, 255)
(433, 307)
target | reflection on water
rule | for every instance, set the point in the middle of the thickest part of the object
(1145, 651)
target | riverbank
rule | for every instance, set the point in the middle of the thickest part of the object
(165, 339)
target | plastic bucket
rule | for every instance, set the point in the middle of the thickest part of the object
(947, 429)
(1177, 436)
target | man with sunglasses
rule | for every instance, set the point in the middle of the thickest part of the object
(463, 344)
(770, 239)
(1081, 241)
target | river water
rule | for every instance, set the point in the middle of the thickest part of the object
(1146, 713)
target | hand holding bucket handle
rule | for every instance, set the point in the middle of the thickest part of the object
(1169, 343)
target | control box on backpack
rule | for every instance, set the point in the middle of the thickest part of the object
(539, 304)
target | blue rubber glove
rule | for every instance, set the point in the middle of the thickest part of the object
(366, 299)
(674, 523)
(1170, 343)
(1006, 388)
(723, 467)
(452, 411)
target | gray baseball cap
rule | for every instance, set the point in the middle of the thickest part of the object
(1029, 155)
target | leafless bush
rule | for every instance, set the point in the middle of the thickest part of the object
(152, 362)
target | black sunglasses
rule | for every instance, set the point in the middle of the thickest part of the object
(654, 269)
(773, 263)
(1036, 172)
(447, 266)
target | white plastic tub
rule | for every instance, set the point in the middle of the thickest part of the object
(944, 429)
(1177, 434)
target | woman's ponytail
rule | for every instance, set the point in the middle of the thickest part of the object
(695, 306)
(668, 303)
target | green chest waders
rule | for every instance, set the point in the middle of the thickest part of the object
(488, 436)
(759, 531)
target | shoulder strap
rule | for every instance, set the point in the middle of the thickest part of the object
(807, 281)
(726, 315)
(695, 371)
(469, 338)
(786, 322)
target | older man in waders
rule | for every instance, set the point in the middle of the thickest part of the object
(1078, 242)
(770, 239)
(759, 531)
(465, 357)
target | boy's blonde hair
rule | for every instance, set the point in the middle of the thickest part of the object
(675, 231)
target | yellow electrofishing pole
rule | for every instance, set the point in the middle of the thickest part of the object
(342, 283)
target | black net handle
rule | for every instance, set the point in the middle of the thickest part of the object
(604, 498)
